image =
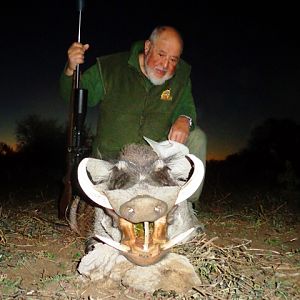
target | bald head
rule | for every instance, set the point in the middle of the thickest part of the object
(167, 33)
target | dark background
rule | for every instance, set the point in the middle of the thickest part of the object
(245, 69)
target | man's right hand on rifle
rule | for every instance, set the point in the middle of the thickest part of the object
(75, 57)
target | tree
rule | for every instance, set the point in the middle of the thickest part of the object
(5, 150)
(272, 146)
(34, 134)
(275, 142)
(278, 137)
(41, 145)
(7, 156)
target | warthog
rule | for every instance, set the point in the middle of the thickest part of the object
(139, 200)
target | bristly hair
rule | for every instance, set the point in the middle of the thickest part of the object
(141, 155)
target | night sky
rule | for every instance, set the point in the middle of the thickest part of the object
(244, 69)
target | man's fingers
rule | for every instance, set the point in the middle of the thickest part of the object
(177, 136)
(85, 47)
(76, 54)
(170, 134)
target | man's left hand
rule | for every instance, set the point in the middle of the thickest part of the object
(180, 130)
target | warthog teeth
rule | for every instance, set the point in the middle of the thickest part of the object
(121, 247)
(113, 243)
(178, 238)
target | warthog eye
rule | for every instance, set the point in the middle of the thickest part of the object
(122, 178)
(162, 177)
(118, 179)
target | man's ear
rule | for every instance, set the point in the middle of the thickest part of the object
(147, 47)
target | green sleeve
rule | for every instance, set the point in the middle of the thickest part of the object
(90, 80)
(65, 86)
(186, 105)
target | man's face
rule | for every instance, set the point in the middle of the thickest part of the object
(161, 58)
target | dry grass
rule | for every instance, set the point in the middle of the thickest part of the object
(241, 272)
(38, 258)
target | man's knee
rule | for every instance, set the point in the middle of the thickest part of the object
(197, 143)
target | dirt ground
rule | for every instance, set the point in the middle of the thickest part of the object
(250, 254)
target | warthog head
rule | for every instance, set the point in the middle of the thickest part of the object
(141, 190)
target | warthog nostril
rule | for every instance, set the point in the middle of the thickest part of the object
(157, 209)
(130, 210)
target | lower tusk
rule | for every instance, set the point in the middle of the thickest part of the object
(113, 243)
(178, 238)
(146, 237)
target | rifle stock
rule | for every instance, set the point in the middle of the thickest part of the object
(66, 195)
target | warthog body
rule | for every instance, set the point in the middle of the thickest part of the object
(138, 202)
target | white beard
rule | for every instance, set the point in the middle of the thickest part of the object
(156, 81)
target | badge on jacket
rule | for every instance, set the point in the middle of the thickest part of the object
(166, 95)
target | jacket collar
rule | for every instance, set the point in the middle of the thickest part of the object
(135, 50)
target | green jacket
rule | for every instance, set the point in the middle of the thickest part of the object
(130, 105)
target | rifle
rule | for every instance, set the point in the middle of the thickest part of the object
(75, 150)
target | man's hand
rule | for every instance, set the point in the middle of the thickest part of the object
(75, 57)
(180, 130)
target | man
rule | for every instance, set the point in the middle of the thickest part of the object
(144, 92)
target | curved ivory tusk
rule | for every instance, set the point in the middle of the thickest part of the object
(177, 239)
(88, 187)
(113, 243)
(189, 188)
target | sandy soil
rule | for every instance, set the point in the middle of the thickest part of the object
(39, 254)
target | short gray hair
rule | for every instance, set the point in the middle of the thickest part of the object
(159, 30)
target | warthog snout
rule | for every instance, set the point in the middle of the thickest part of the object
(143, 209)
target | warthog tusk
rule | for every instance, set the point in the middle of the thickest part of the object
(189, 188)
(146, 237)
(178, 238)
(113, 243)
(88, 187)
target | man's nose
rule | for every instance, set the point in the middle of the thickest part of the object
(165, 62)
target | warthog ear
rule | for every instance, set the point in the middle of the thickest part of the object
(167, 148)
(94, 166)
(180, 162)
(174, 156)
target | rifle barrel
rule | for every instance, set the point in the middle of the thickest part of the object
(77, 77)
(77, 114)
